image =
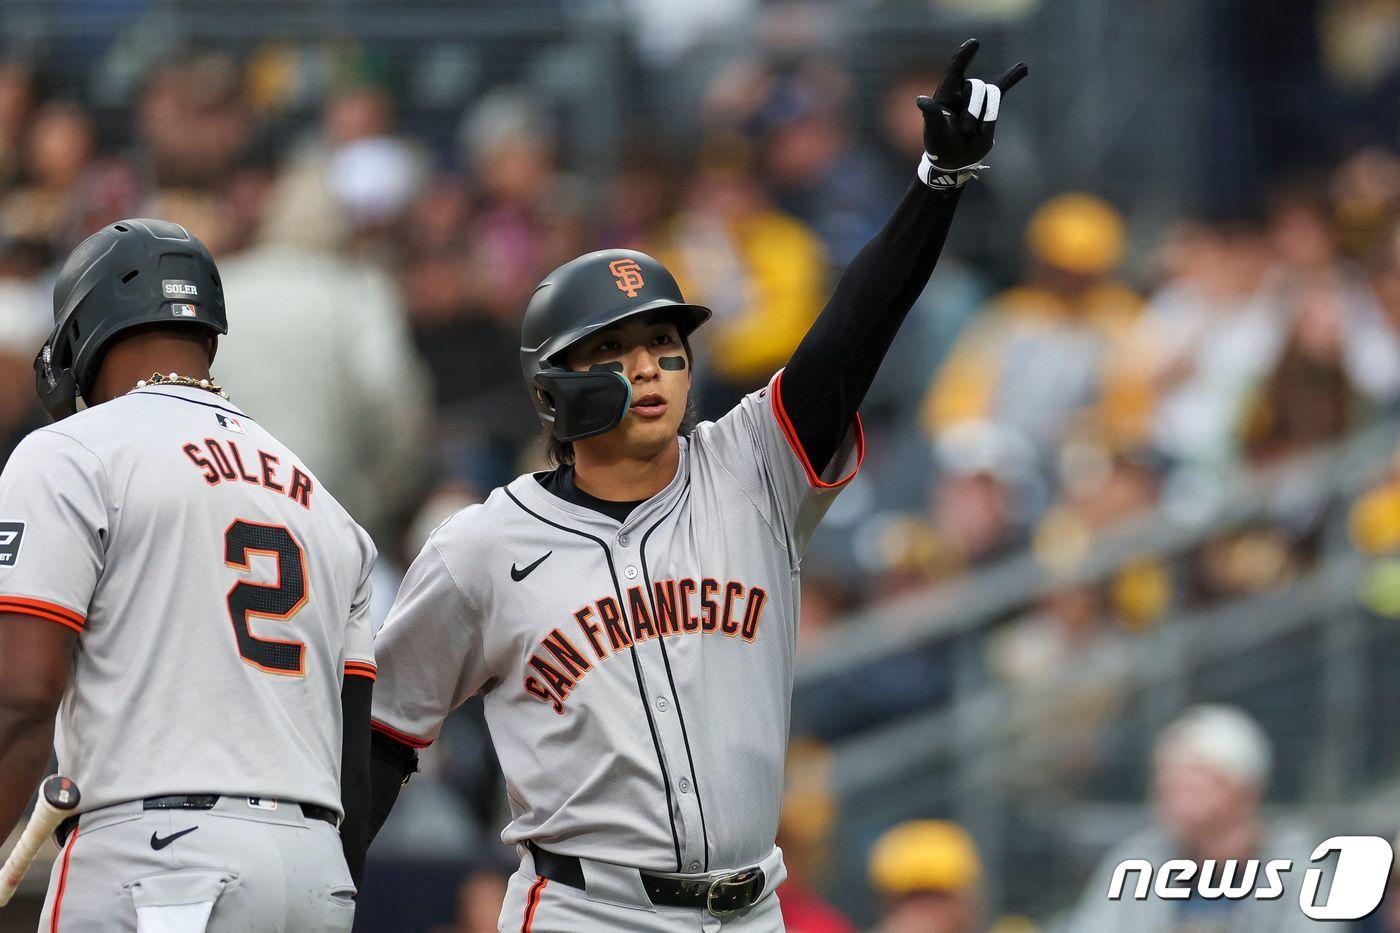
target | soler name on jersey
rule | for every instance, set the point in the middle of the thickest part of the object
(223, 461)
(732, 609)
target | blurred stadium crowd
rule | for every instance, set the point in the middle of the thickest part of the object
(1099, 367)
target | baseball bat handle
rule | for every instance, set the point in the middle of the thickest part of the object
(58, 798)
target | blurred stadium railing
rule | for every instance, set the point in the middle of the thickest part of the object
(1048, 777)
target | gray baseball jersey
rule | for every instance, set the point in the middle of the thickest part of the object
(219, 593)
(637, 677)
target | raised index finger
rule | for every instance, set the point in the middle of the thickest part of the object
(957, 68)
(1013, 75)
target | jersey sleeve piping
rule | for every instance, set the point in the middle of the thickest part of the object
(361, 669)
(41, 609)
(403, 738)
(785, 424)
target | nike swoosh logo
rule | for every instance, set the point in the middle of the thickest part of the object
(158, 843)
(518, 574)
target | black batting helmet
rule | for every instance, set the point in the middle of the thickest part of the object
(127, 274)
(581, 297)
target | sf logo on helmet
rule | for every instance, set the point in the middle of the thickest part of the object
(628, 275)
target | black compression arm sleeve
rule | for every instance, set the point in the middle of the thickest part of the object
(355, 697)
(390, 764)
(834, 365)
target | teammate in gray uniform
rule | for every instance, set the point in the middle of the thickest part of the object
(631, 616)
(177, 586)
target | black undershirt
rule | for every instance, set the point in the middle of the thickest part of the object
(356, 698)
(561, 483)
(832, 368)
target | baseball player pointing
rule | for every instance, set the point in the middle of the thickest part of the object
(177, 586)
(630, 616)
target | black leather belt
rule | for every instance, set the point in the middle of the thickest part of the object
(311, 811)
(720, 896)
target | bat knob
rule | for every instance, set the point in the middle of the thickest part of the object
(60, 792)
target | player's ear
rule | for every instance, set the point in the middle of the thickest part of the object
(213, 348)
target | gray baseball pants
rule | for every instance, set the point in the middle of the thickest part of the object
(239, 866)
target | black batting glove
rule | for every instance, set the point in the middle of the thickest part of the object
(960, 120)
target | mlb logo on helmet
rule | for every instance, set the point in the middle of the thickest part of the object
(184, 310)
(628, 275)
(228, 424)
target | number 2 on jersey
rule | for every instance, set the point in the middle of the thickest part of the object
(279, 601)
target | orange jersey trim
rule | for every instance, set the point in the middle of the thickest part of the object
(412, 741)
(42, 610)
(361, 669)
(785, 423)
(63, 880)
(532, 903)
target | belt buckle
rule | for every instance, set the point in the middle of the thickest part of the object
(719, 888)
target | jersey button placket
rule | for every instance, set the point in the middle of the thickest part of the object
(684, 797)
